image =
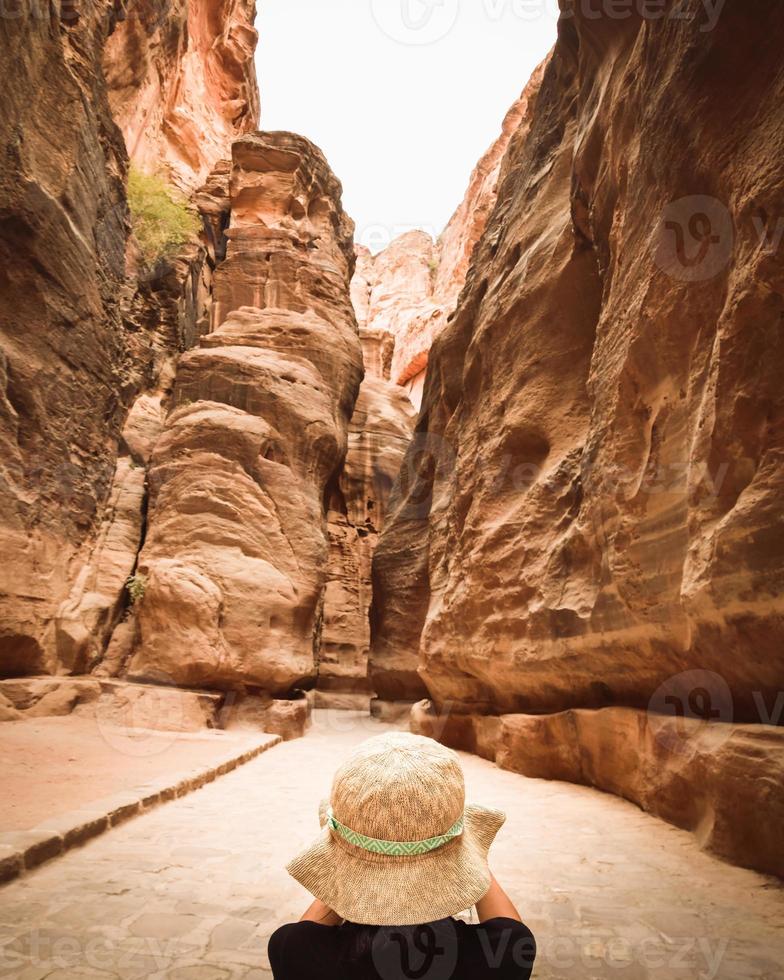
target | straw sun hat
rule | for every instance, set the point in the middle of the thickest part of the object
(399, 846)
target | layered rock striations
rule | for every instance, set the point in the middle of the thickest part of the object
(182, 83)
(235, 557)
(62, 348)
(721, 781)
(89, 337)
(597, 510)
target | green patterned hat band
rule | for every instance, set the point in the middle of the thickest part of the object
(394, 848)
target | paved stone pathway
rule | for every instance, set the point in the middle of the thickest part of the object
(192, 890)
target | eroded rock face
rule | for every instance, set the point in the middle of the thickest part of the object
(62, 245)
(710, 778)
(378, 344)
(602, 506)
(162, 315)
(456, 243)
(236, 553)
(87, 343)
(182, 83)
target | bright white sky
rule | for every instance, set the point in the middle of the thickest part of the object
(403, 96)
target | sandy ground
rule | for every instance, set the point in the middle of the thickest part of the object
(52, 765)
(193, 889)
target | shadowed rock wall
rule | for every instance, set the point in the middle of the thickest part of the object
(62, 347)
(88, 339)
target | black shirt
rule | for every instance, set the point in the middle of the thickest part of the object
(450, 949)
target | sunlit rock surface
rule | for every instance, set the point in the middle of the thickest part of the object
(182, 83)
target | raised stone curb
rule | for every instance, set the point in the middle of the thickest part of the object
(23, 850)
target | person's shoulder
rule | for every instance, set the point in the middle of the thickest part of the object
(294, 928)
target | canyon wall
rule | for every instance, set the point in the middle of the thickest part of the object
(62, 348)
(235, 557)
(378, 437)
(182, 83)
(88, 340)
(590, 512)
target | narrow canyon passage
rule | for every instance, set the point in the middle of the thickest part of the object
(513, 482)
(193, 890)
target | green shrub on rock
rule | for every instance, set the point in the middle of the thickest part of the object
(136, 586)
(160, 218)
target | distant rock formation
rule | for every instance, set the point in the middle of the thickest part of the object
(379, 434)
(404, 295)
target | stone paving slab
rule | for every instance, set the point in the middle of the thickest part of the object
(193, 890)
(24, 850)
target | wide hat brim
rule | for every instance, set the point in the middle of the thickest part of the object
(386, 890)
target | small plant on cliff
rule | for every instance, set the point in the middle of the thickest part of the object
(136, 585)
(160, 218)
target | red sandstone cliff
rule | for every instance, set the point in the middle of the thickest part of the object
(87, 349)
(62, 344)
(182, 83)
(595, 506)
